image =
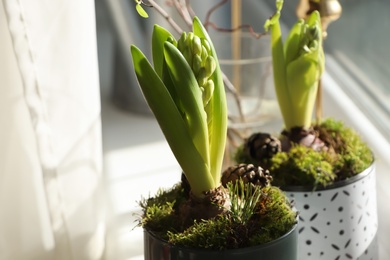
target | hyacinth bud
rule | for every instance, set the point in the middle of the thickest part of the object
(206, 45)
(190, 38)
(208, 90)
(197, 52)
(309, 41)
(181, 42)
(202, 77)
(204, 53)
(196, 64)
(196, 45)
(210, 65)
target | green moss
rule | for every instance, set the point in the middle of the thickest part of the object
(271, 218)
(302, 166)
(275, 216)
(208, 234)
(347, 156)
(354, 155)
(159, 211)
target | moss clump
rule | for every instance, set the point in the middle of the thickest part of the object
(302, 166)
(343, 156)
(159, 211)
(275, 214)
(208, 234)
(272, 217)
(352, 154)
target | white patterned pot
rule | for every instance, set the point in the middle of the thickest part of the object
(339, 221)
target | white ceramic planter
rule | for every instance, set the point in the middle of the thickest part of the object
(339, 222)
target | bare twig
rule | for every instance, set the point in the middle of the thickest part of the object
(189, 8)
(212, 10)
(164, 14)
(183, 12)
(208, 23)
(240, 27)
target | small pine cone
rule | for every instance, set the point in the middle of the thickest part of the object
(262, 146)
(248, 173)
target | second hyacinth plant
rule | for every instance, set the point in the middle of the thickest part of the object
(298, 64)
(307, 152)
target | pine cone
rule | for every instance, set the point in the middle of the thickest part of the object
(248, 173)
(262, 146)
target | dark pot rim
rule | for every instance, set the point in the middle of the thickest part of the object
(236, 250)
(335, 185)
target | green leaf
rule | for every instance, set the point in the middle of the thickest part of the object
(303, 75)
(216, 110)
(141, 11)
(172, 125)
(190, 94)
(159, 36)
(293, 41)
(166, 78)
(303, 72)
(314, 19)
(280, 73)
(279, 5)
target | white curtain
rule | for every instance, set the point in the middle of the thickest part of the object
(50, 132)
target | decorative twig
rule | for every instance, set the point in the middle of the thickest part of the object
(183, 12)
(164, 14)
(240, 27)
(212, 10)
(189, 8)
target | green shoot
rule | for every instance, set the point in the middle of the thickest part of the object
(298, 65)
(186, 94)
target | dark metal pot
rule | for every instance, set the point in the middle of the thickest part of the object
(283, 248)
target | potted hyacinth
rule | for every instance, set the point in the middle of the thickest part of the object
(324, 166)
(203, 216)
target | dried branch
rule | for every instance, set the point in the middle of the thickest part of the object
(240, 27)
(183, 12)
(212, 10)
(189, 8)
(164, 14)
